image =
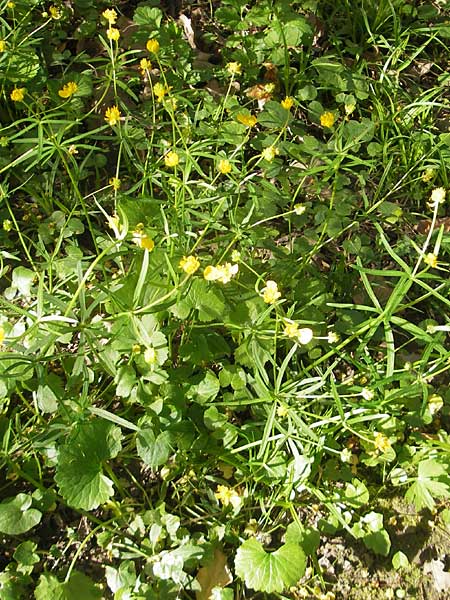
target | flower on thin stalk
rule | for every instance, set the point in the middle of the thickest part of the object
(287, 103)
(153, 46)
(327, 119)
(18, 94)
(141, 239)
(226, 496)
(437, 197)
(112, 33)
(223, 273)
(431, 260)
(115, 183)
(171, 159)
(68, 89)
(234, 68)
(189, 264)
(112, 115)
(110, 15)
(224, 166)
(247, 120)
(270, 292)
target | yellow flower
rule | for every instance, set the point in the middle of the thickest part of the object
(68, 89)
(431, 260)
(72, 149)
(11, 4)
(269, 153)
(141, 239)
(235, 256)
(2, 45)
(327, 119)
(437, 197)
(18, 94)
(152, 46)
(112, 33)
(171, 159)
(224, 166)
(282, 410)
(190, 264)
(160, 91)
(435, 403)
(222, 273)
(115, 183)
(112, 115)
(299, 209)
(110, 15)
(55, 13)
(247, 120)
(381, 442)
(227, 496)
(150, 356)
(136, 349)
(234, 68)
(367, 394)
(288, 102)
(291, 330)
(427, 175)
(145, 65)
(7, 225)
(270, 292)
(332, 337)
(2, 334)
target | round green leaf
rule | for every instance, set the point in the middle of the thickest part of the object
(16, 516)
(269, 572)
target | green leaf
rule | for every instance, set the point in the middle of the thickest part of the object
(269, 572)
(154, 450)
(125, 380)
(206, 390)
(25, 554)
(79, 469)
(379, 542)
(79, 586)
(432, 482)
(147, 15)
(274, 116)
(400, 560)
(16, 516)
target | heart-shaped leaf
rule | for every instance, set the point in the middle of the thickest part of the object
(269, 572)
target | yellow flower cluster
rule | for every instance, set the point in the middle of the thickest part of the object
(141, 239)
(269, 153)
(223, 273)
(234, 68)
(160, 91)
(327, 119)
(227, 496)
(247, 120)
(224, 166)
(110, 15)
(68, 89)
(287, 103)
(301, 335)
(171, 159)
(153, 46)
(112, 33)
(189, 264)
(55, 13)
(18, 94)
(2, 335)
(270, 292)
(381, 442)
(112, 115)
(115, 183)
(145, 65)
(431, 260)
(437, 197)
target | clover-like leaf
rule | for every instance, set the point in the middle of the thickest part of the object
(269, 571)
(79, 470)
(78, 586)
(16, 516)
(153, 449)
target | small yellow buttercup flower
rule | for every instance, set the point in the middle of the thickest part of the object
(112, 115)
(2, 45)
(153, 46)
(224, 166)
(18, 94)
(222, 273)
(68, 89)
(145, 65)
(327, 119)
(55, 13)
(427, 175)
(11, 4)
(437, 197)
(234, 68)
(287, 103)
(115, 183)
(282, 410)
(381, 442)
(110, 15)
(291, 330)
(2, 334)
(112, 33)
(431, 260)
(72, 150)
(190, 264)
(171, 159)
(269, 153)
(7, 225)
(160, 91)
(141, 239)
(227, 496)
(270, 292)
(247, 120)
(299, 209)
(235, 256)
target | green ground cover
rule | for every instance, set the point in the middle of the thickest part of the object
(224, 304)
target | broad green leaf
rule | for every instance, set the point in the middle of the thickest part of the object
(269, 572)
(206, 390)
(274, 116)
(78, 587)
(25, 554)
(147, 15)
(16, 516)
(125, 379)
(400, 560)
(432, 482)
(79, 469)
(306, 537)
(154, 450)
(356, 493)
(379, 542)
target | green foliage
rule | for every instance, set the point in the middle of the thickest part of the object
(224, 290)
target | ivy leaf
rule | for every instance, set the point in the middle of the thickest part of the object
(16, 516)
(269, 572)
(79, 469)
(78, 586)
